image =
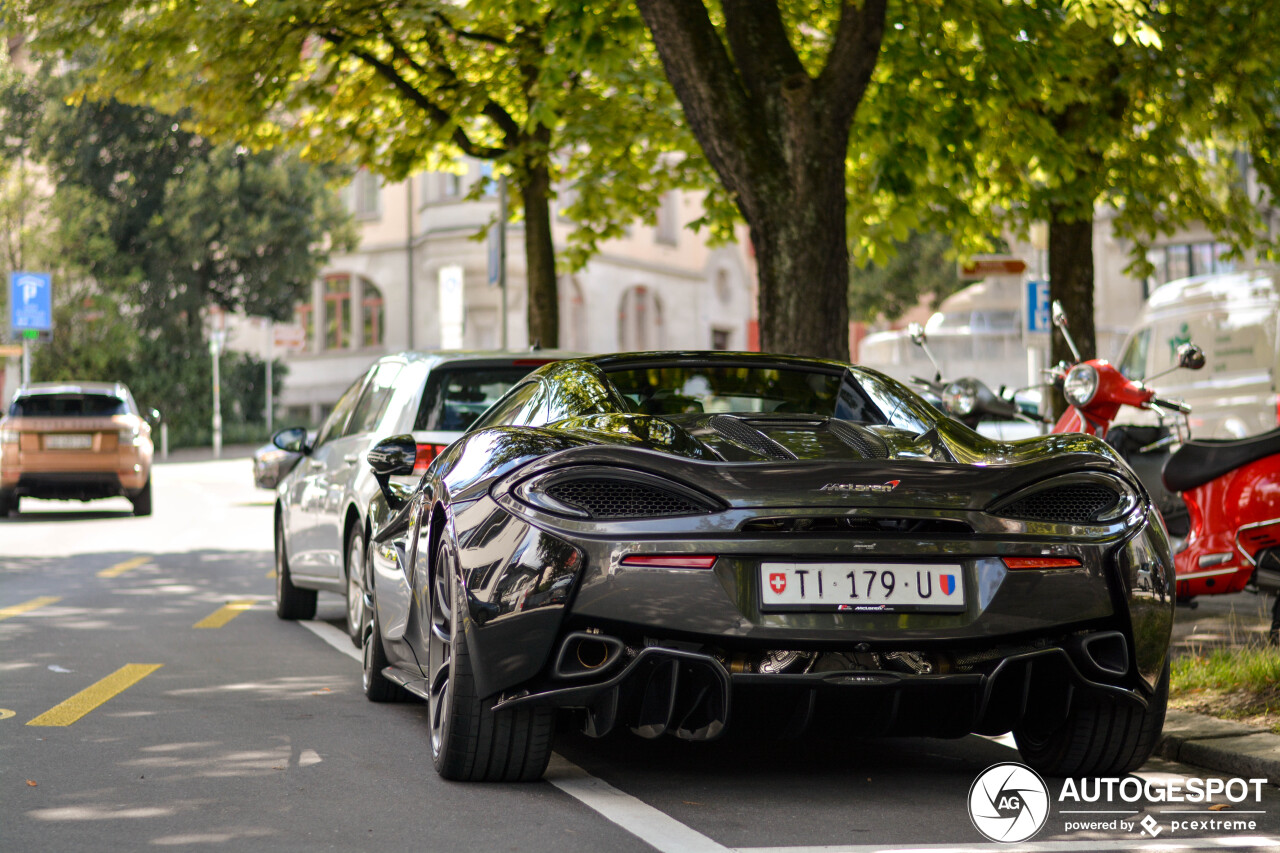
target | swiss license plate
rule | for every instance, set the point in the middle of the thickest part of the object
(862, 587)
(68, 442)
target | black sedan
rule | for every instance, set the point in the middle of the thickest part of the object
(667, 541)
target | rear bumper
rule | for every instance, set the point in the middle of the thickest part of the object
(76, 485)
(656, 690)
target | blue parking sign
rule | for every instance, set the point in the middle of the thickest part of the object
(30, 301)
(1039, 315)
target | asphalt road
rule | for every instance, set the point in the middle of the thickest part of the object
(150, 699)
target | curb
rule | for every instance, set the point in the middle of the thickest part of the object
(1220, 745)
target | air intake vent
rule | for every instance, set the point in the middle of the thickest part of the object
(749, 437)
(601, 497)
(862, 440)
(1076, 503)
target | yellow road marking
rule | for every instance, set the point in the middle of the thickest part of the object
(18, 609)
(66, 713)
(120, 568)
(5, 713)
(224, 614)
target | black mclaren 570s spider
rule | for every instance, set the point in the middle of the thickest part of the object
(667, 542)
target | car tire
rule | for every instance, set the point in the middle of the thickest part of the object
(377, 687)
(8, 502)
(291, 602)
(1101, 736)
(142, 500)
(470, 741)
(355, 587)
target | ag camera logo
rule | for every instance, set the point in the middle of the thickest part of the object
(1008, 802)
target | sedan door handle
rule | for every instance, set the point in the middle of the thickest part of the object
(351, 458)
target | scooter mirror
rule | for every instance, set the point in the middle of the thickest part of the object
(916, 331)
(1190, 356)
(1059, 315)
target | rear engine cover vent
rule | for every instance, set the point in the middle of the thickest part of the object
(1076, 503)
(857, 524)
(601, 497)
(749, 437)
(866, 442)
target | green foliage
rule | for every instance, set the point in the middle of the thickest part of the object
(923, 265)
(549, 89)
(147, 227)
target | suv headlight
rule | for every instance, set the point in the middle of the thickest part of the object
(8, 436)
(1080, 385)
(130, 435)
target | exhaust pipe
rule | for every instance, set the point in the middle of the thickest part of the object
(582, 655)
(1106, 652)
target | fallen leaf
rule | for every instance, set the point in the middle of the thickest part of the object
(1217, 807)
(31, 783)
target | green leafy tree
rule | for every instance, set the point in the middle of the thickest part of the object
(550, 90)
(923, 265)
(151, 227)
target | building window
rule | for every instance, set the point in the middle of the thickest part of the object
(1187, 259)
(305, 316)
(337, 312)
(450, 185)
(667, 230)
(373, 317)
(345, 302)
(639, 320)
(720, 339)
(361, 195)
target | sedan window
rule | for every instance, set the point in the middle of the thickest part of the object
(374, 401)
(514, 409)
(456, 396)
(337, 420)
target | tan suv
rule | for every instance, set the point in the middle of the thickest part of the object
(75, 441)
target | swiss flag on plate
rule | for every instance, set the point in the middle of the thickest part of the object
(778, 581)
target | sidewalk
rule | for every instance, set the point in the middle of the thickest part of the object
(1220, 745)
(205, 454)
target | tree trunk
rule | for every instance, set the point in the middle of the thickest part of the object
(802, 254)
(540, 258)
(1071, 283)
(777, 137)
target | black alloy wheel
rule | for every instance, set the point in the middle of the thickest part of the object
(356, 562)
(470, 741)
(291, 602)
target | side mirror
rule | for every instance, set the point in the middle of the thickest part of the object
(394, 456)
(293, 439)
(1059, 315)
(916, 331)
(154, 416)
(1190, 356)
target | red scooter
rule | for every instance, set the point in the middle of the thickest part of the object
(1230, 488)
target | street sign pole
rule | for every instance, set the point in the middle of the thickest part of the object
(26, 361)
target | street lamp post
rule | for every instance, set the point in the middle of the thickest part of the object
(217, 338)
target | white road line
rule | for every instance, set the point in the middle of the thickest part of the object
(668, 835)
(1148, 846)
(331, 635)
(639, 818)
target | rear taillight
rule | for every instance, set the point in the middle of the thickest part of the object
(669, 561)
(1278, 410)
(1016, 563)
(426, 453)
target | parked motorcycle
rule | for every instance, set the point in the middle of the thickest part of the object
(967, 399)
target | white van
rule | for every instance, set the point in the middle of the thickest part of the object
(1232, 316)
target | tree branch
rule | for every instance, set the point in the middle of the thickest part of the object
(437, 113)
(716, 105)
(761, 49)
(851, 60)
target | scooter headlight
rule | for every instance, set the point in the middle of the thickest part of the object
(1080, 385)
(960, 398)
